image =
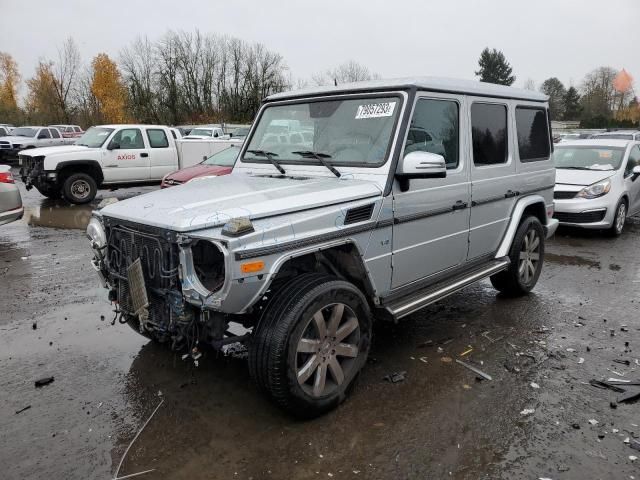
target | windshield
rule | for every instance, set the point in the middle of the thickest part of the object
(24, 132)
(94, 137)
(200, 131)
(224, 158)
(613, 136)
(345, 132)
(588, 157)
(241, 132)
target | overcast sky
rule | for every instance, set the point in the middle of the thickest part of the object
(563, 38)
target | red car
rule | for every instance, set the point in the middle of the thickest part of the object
(220, 163)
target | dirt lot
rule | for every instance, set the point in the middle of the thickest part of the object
(531, 421)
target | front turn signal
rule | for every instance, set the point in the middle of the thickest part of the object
(252, 267)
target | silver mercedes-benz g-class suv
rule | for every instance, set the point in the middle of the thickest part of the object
(348, 203)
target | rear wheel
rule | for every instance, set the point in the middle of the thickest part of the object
(310, 344)
(79, 188)
(619, 220)
(526, 255)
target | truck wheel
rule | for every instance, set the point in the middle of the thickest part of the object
(311, 343)
(527, 256)
(79, 188)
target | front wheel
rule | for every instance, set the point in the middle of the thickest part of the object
(526, 255)
(80, 188)
(619, 219)
(311, 344)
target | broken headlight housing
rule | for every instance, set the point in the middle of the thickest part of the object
(595, 190)
(208, 263)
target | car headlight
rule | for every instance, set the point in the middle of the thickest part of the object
(596, 190)
(95, 233)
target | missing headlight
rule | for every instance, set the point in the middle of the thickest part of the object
(208, 262)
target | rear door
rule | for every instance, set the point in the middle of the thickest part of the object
(56, 138)
(163, 157)
(127, 157)
(493, 192)
(44, 138)
(431, 228)
(633, 183)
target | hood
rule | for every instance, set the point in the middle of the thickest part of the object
(212, 201)
(581, 177)
(16, 139)
(57, 150)
(199, 170)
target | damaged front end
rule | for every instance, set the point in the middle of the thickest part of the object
(164, 284)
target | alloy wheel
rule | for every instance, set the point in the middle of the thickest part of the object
(621, 217)
(80, 189)
(529, 256)
(327, 349)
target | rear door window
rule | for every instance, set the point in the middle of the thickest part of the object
(489, 134)
(44, 133)
(55, 133)
(157, 138)
(533, 134)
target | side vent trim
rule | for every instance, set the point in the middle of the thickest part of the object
(358, 214)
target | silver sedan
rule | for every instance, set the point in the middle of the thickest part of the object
(10, 200)
(597, 183)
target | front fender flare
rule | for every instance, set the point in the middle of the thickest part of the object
(516, 216)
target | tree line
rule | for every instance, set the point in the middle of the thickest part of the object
(605, 97)
(191, 77)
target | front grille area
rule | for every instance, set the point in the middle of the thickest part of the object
(583, 217)
(159, 259)
(559, 195)
(4, 145)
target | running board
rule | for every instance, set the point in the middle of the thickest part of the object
(420, 299)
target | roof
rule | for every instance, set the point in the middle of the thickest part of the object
(592, 142)
(619, 132)
(436, 84)
(130, 125)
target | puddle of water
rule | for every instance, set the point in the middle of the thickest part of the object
(571, 260)
(56, 215)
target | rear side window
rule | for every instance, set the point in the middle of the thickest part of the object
(157, 138)
(54, 132)
(435, 128)
(77, 129)
(44, 133)
(489, 133)
(533, 134)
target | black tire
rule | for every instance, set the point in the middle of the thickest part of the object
(79, 188)
(514, 281)
(273, 352)
(618, 224)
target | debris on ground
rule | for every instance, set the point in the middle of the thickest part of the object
(527, 411)
(466, 352)
(593, 421)
(475, 370)
(23, 409)
(43, 381)
(580, 360)
(633, 394)
(534, 385)
(396, 377)
(446, 359)
(426, 343)
(34, 325)
(635, 444)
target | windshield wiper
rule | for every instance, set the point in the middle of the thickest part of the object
(321, 157)
(573, 168)
(269, 156)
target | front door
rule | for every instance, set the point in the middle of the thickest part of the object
(127, 159)
(493, 181)
(632, 182)
(431, 229)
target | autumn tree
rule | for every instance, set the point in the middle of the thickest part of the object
(108, 89)
(9, 81)
(554, 89)
(494, 68)
(42, 106)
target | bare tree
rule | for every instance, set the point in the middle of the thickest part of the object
(65, 74)
(529, 84)
(139, 64)
(350, 71)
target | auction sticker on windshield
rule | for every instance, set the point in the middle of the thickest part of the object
(375, 110)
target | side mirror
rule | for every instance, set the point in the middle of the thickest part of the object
(204, 157)
(421, 164)
(635, 173)
(215, 134)
(113, 145)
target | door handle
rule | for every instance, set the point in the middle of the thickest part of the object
(144, 154)
(511, 194)
(460, 205)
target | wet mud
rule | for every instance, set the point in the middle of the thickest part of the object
(441, 421)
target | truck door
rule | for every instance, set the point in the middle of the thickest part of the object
(163, 156)
(126, 158)
(493, 190)
(431, 218)
(44, 138)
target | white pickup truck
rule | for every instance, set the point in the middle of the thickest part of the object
(29, 137)
(110, 156)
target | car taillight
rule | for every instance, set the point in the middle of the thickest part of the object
(6, 177)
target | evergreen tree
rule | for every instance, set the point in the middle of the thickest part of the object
(556, 92)
(572, 107)
(494, 68)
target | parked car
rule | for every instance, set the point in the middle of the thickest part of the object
(205, 133)
(619, 135)
(10, 200)
(596, 183)
(220, 163)
(23, 138)
(241, 132)
(4, 131)
(304, 247)
(108, 155)
(70, 132)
